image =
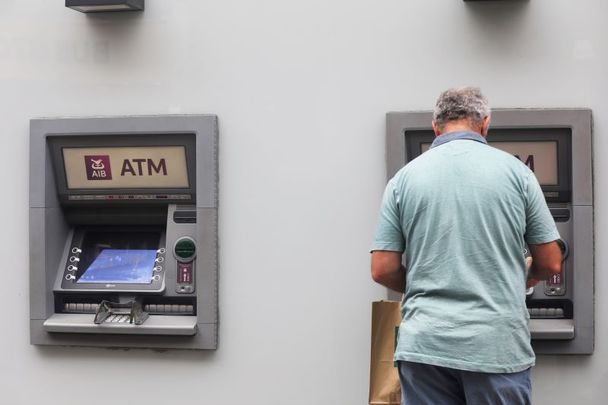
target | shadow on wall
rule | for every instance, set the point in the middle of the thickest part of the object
(120, 354)
(493, 16)
(119, 32)
(498, 27)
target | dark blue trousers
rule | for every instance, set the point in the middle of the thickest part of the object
(423, 384)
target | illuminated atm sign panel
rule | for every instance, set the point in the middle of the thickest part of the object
(126, 167)
(545, 151)
(157, 167)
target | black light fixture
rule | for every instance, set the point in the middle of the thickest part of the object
(99, 6)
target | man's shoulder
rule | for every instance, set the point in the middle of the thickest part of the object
(424, 159)
(511, 161)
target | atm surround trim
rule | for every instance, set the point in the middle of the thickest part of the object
(50, 229)
(561, 135)
(57, 142)
(581, 207)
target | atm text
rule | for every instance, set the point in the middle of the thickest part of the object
(142, 167)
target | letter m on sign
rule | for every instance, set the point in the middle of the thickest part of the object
(529, 161)
(160, 168)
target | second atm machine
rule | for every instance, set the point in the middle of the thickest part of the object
(556, 146)
(123, 232)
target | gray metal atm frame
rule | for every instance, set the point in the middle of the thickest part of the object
(51, 234)
(574, 335)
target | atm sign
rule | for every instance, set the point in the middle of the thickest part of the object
(130, 167)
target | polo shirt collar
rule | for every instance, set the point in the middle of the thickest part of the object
(452, 136)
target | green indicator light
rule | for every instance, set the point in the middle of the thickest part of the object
(185, 249)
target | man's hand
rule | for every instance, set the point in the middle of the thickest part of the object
(387, 269)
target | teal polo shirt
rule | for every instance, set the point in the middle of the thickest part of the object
(462, 213)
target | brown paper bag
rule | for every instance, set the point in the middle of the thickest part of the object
(384, 386)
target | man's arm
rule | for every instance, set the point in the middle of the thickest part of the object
(541, 235)
(546, 261)
(387, 270)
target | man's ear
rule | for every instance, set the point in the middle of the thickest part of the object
(436, 129)
(485, 126)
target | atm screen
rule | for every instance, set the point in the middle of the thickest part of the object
(119, 266)
(118, 257)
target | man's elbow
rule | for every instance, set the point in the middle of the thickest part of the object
(549, 269)
(554, 268)
(386, 275)
(385, 266)
(378, 275)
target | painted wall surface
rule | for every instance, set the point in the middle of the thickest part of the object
(301, 89)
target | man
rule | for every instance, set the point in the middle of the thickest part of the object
(461, 214)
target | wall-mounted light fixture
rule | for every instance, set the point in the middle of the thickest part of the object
(99, 6)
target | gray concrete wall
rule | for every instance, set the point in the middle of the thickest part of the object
(301, 89)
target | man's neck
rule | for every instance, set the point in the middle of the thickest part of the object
(462, 125)
(457, 127)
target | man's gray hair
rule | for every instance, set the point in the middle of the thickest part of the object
(461, 103)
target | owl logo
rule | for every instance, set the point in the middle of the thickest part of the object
(97, 164)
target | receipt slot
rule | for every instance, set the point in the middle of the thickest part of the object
(123, 232)
(556, 146)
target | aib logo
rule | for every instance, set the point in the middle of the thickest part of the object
(98, 167)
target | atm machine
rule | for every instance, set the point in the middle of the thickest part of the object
(123, 232)
(556, 145)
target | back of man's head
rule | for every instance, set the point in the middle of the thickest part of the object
(463, 104)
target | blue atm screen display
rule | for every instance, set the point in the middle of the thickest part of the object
(117, 257)
(119, 266)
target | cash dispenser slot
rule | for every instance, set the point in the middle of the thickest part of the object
(184, 217)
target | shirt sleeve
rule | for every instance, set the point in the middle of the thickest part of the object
(388, 232)
(540, 226)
